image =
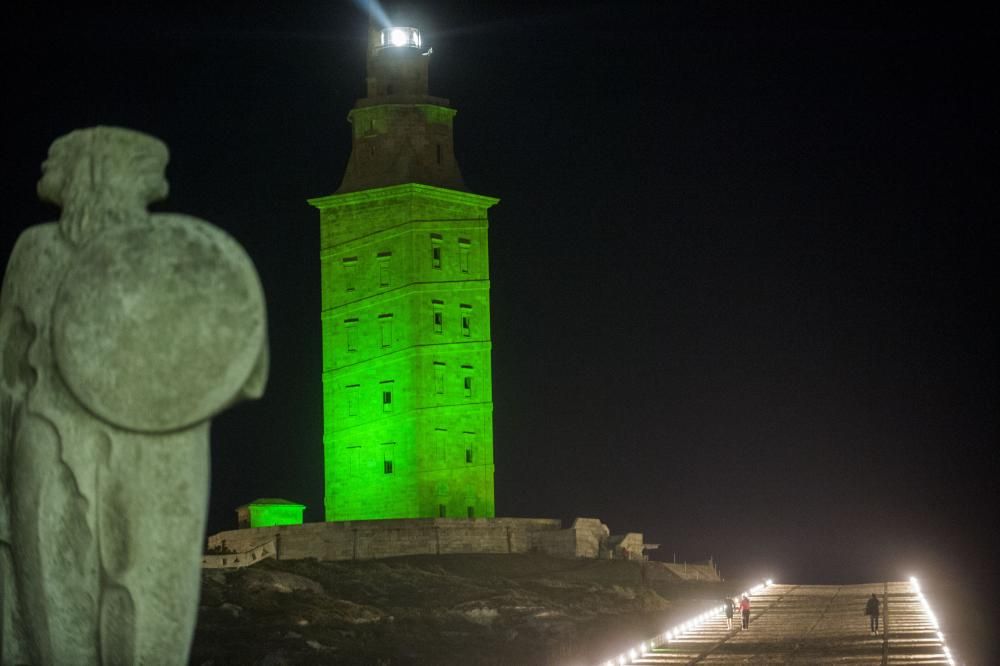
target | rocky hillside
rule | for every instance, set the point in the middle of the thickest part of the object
(455, 609)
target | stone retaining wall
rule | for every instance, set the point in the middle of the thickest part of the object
(373, 539)
(240, 559)
(688, 571)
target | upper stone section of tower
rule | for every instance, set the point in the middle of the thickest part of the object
(400, 133)
(397, 66)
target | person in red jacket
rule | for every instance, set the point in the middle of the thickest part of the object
(745, 611)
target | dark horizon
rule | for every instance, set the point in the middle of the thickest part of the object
(742, 269)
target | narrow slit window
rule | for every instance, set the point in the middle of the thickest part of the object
(439, 153)
(388, 457)
(470, 450)
(436, 251)
(384, 268)
(385, 326)
(439, 369)
(464, 249)
(386, 397)
(470, 511)
(351, 329)
(350, 272)
(466, 311)
(442, 510)
(438, 320)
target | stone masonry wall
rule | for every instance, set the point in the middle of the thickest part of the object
(373, 539)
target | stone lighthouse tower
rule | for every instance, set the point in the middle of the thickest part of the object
(407, 400)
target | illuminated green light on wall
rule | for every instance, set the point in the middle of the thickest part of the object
(407, 373)
(269, 512)
(437, 115)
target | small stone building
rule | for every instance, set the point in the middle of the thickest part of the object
(268, 512)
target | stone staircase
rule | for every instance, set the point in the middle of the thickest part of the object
(805, 624)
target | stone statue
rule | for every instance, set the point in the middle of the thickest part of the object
(122, 332)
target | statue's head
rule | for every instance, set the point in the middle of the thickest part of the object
(103, 170)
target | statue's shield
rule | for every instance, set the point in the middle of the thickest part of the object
(158, 326)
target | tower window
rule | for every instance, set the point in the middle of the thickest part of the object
(387, 457)
(436, 251)
(384, 273)
(439, 369)
(351, 327)
(466, 311)
(387, 396)
(464, 249)
(385, 324)
(350, 270)
(438, 307)
(440, 437)
(439, 153)
(467, 380)
(442, 510)
(470, 451)
(470, 511)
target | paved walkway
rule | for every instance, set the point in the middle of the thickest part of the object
(811, 624)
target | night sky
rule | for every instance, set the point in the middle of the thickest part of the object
(742, 268)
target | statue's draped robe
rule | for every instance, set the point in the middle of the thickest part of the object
(101, 526)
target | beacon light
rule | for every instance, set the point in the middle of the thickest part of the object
(399, 37)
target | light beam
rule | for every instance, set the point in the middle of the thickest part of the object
(374, 9)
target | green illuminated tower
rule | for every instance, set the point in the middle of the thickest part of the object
(407, 398)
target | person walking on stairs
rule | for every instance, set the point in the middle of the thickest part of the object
(871, 610)
(745, 611)
(730, 608)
